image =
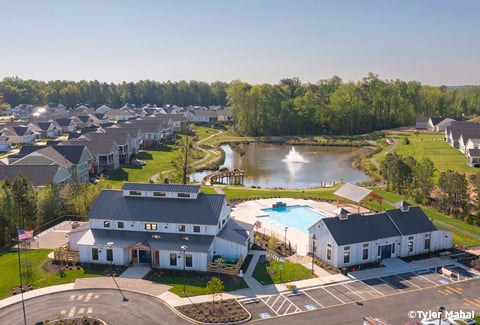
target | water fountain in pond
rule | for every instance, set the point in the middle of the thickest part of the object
(294, 157)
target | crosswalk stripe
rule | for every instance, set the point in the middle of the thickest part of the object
(62, 313)
(88, 297)
(72, 312)
(90, 311)
(81, 311)
(472, 302)
(72, 297)
(80, 297)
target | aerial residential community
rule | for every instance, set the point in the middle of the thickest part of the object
(210, 162)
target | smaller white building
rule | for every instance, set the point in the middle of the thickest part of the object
(354, 239)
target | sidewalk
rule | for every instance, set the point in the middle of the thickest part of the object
(255, 289)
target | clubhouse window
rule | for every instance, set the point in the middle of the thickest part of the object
(120, 225)
(150, 226)
(173, 259)
(196, 228)
(181, 228)
(106, 224)
(95, 254)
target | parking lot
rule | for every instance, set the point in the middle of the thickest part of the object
(351, 291)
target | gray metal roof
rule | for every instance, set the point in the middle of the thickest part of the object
(161, 187)
(413, 221)
(112, 205)
(353, 192)
(234, 232)
(360, 228)
(154, 240)
(363, 228)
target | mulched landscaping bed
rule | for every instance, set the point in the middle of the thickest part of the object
(223, 311)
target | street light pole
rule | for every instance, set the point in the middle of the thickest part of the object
(184, 248)
(109, 245)
(313, 252)
(441, 309)
(285, 240)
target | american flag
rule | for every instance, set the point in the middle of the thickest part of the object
(25, 234)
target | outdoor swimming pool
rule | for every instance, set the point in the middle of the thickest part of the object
(300, 217)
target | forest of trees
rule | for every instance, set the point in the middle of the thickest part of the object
(23, 205)
(327, 107)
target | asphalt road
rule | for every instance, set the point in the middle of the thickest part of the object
(455, 297)
(105, 304)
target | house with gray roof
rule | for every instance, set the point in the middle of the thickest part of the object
(105, 154)
(135, 133)
(349, 240)
(162, 225)
(38, 175)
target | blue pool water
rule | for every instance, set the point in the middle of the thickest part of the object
(300, 217)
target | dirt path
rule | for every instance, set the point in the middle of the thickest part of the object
(394, 145)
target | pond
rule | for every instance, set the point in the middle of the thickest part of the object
(277, 165)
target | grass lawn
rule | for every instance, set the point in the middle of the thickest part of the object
(270, 274)
(243, 193)
(434, 147)
(195, 283)
(37, 276)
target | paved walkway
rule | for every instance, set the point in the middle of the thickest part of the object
(126, 283)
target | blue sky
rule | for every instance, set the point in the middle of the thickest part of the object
(435, 42)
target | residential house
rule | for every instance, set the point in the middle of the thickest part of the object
(66, 124)
(119, 115)
(105, 154)
(201, 116)
(5, 144)
(473, 157)
(19, 134)
(224, 115)
(48, 129)
(38, 175)
(103, 109)
(76, 160)
(152, 131)
(135, 133)
(457, 128)
(163, 225)
(353, 239)
(123, 141)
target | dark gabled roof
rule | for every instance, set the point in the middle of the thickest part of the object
(436, 120)
(161, 187)
(20, 130)
(44, 125)
(112, 205)
(360, 228)
(234, 232)
(132, 130)
(413, 221)
(72, 153)
(458, 128)
(98, 147)
(155, 240)
(63, 121)
(84, 118)
(38, 175)
(119, 138)
(26, 149)
(474, 152)
(392, 223)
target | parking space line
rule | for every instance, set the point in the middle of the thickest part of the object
(472, 302)
(355, 293)
(334, 296)
(428, 279)
(281, 305)
(314, 300)
(268, 298)
(401, 277)
(374, 289)
(293, 304)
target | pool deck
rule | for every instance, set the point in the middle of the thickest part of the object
(249, 212)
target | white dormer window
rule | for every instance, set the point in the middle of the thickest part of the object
(159, 194)
(150, 226)
(181, 228)
(135, 193)
(196, 228)
(181, 194)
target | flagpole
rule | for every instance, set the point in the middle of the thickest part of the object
(20, 276)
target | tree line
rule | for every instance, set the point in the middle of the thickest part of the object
(15, 91)
(327, 107)
(334, 107)
(416, 179)
(26, 207)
